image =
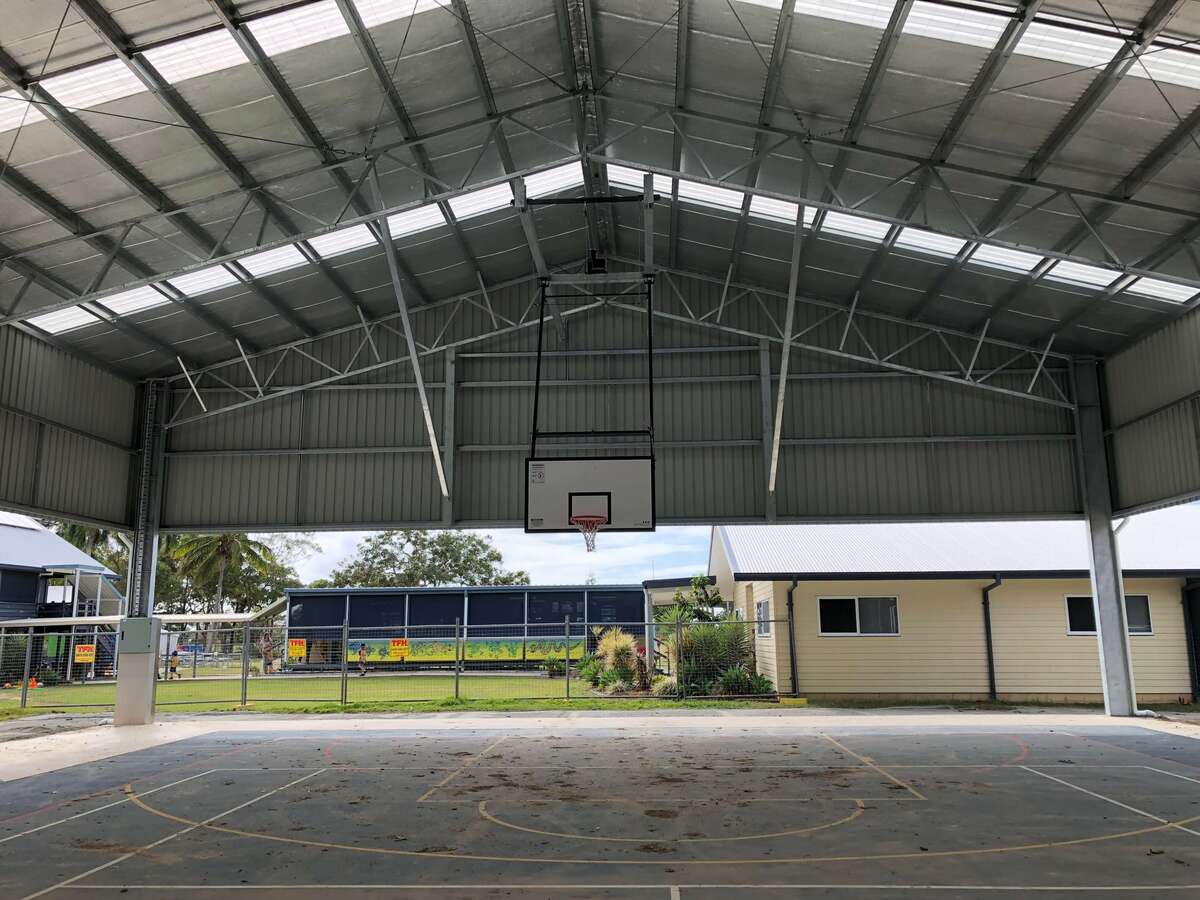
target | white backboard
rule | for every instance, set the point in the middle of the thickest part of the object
(621, 488)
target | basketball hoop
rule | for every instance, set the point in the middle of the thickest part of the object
(588, 526)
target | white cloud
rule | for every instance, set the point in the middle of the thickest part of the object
(675, 552)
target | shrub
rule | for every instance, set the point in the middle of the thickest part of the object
(610, 677)
(589, 669)
(761, 684)
(617, 649)
(665, 686)
(618, 687)
(693, 680)
(555, 668)
(734, 681)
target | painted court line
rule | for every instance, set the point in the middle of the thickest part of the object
(675, 890)
(1173, 774)
(170, 837)
(91, 812)
(870, 763)
(1126, 806)
(466, 765)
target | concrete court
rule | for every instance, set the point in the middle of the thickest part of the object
(608, 805)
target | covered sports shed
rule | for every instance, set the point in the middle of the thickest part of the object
(274, 265)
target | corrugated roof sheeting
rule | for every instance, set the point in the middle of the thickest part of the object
(1153, 392)
(62, 425)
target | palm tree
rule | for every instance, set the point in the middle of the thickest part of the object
(85, 537)
(203, 557)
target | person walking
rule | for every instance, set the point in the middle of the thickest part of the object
(362, 659)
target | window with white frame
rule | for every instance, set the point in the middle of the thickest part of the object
(762, 618)
(1081, 615)
(858, 615)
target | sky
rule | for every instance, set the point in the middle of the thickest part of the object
(675, 552)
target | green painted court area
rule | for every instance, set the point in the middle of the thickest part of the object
(226, 691)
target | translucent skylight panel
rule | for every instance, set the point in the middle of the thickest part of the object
(1082, 275)
(376, 12)
(1173, 66)
(775, 210)
(299, 27)
(93, 85)
(420, 219)
(63, 320)
(1004, 258)
(707, 195)
(194, 56)
(957, 24)
(855, 226)
(15, 110)
(271, 261)
(872, 13)
(554, 181)
(632, 178)
(203, 280)
(1163, 290)
(929, 242)
(134, 300)
(484, 200)
(1068, 45)
(345, 241)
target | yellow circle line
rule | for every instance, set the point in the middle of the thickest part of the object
(541, 860)
(858, 811)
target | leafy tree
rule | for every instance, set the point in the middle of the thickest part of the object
(412, 558)
(701, 603)
(210, 558)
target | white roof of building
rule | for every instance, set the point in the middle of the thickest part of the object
(1164, 541)
(26, 544)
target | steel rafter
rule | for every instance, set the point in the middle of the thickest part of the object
(682, 37)
(227, 15)
(370, 54)
(146, 190)
(766, 108)
(566, 41)
(858, 118)
(249, 379)
(1097, 92)
(590, 52)
(981, 86)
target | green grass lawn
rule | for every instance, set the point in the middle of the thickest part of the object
(225, 693)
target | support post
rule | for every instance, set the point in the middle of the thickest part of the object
(28, 667)
(764, 393)
(246, 662)
(679, 657)
(567, 655)
(1108, 595)
(345, 654)
(791, 627)
(457, 656)
(138, 636)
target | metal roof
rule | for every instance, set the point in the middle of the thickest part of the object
(25, 544)
(1163, 541)
(185, 181)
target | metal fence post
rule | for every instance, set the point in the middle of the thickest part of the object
(567, 657)
(28, 665)
(345, 656)
(457, 652)
(679, 657)
(195, 657)
(246, 662)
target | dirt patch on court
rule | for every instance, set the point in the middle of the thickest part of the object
(106, 847)
(655, 848)
(661, 813)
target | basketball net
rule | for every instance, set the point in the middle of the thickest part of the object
(588, 526)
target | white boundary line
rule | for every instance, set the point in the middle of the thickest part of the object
(170, 837)
(1126, 806)
(90, 812)
(165, 889)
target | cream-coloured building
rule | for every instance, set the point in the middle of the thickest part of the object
(966, 610)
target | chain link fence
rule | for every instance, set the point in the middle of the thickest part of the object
(226, 666)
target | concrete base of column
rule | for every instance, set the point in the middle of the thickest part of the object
(136, 683)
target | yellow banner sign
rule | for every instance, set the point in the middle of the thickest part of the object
(398, 648)
(85, 653)
(297, 648)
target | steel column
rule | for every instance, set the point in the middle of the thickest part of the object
(148, 488)
(1108, 594)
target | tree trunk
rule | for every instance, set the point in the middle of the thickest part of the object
(217, 607)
